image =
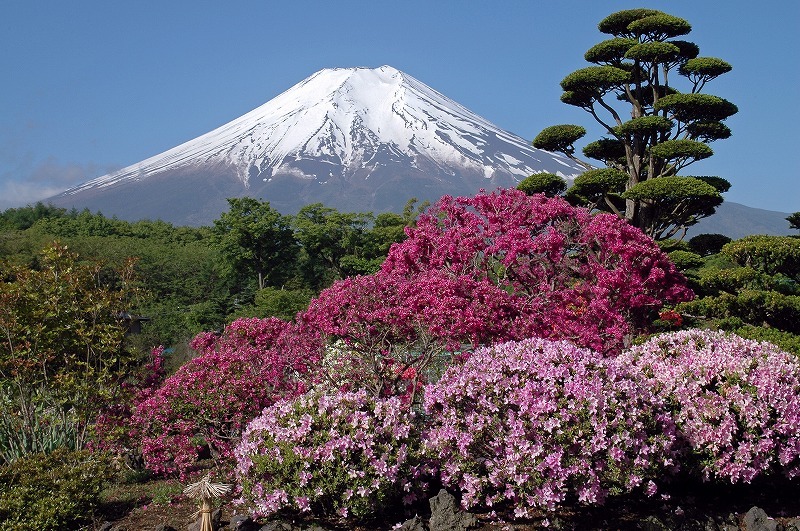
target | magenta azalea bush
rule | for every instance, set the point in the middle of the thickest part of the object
(208, 402)
(491, 268)
(535, 423)
(392, 326)
(343, 455)
(735, 402)
(591, 279)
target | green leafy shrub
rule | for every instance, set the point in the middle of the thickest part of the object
(771, 254)
(686, 259)
(708, 244)
(733, 280)
(671, 244)
(765, 308)
(63, 357)
(56, 491)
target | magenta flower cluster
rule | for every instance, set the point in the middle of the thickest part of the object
(735, 402)
(497, 267)
(344, 455)
(529, 424)
(208, 402)
(591, 279)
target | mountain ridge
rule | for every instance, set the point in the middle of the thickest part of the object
(736, 221)
(348, 137)
(356, 139)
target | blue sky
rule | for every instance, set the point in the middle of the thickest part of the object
(92, 86)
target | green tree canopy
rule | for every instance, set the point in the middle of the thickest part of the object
(675, 203)
(708, 244)
(258, 240)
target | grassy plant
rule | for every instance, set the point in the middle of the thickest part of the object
(37, 425)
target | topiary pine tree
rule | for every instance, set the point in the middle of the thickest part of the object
(667, 130)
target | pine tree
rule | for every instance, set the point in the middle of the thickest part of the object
(668, 129)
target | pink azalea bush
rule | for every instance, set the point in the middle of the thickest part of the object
(592, 279)
(209, 400)
(736, 402)
(342, 455)
(532, 424)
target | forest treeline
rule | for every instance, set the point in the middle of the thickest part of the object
(253, 261)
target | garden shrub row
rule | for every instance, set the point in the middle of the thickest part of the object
(59, 490)
(530, 425)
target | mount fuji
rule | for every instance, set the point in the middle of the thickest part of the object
(356, 139)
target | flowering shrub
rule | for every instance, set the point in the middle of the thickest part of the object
(390, 326)
(525, 425)
(210, 399)
(668, 320)
(736, 402)
(492, 268)
(113, 426)
(594, 280)
(337, 456)
(671, 317)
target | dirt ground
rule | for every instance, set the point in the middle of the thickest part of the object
(720, 503)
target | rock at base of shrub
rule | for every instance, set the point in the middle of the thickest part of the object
(413, 524)
(446, 515)
(285, 526)
(241, 522)
(757, 520)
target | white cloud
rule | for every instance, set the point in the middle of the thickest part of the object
(43, 181)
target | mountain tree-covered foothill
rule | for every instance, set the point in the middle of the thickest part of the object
(645, 89)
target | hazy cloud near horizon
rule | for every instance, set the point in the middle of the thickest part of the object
(30, 182)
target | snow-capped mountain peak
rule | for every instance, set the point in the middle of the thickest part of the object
(337, 129)
(345, 115)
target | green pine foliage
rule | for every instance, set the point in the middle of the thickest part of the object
(671, 122)
(751, 287)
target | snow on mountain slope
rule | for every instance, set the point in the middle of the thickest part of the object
(344, 115)
(339, 129)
